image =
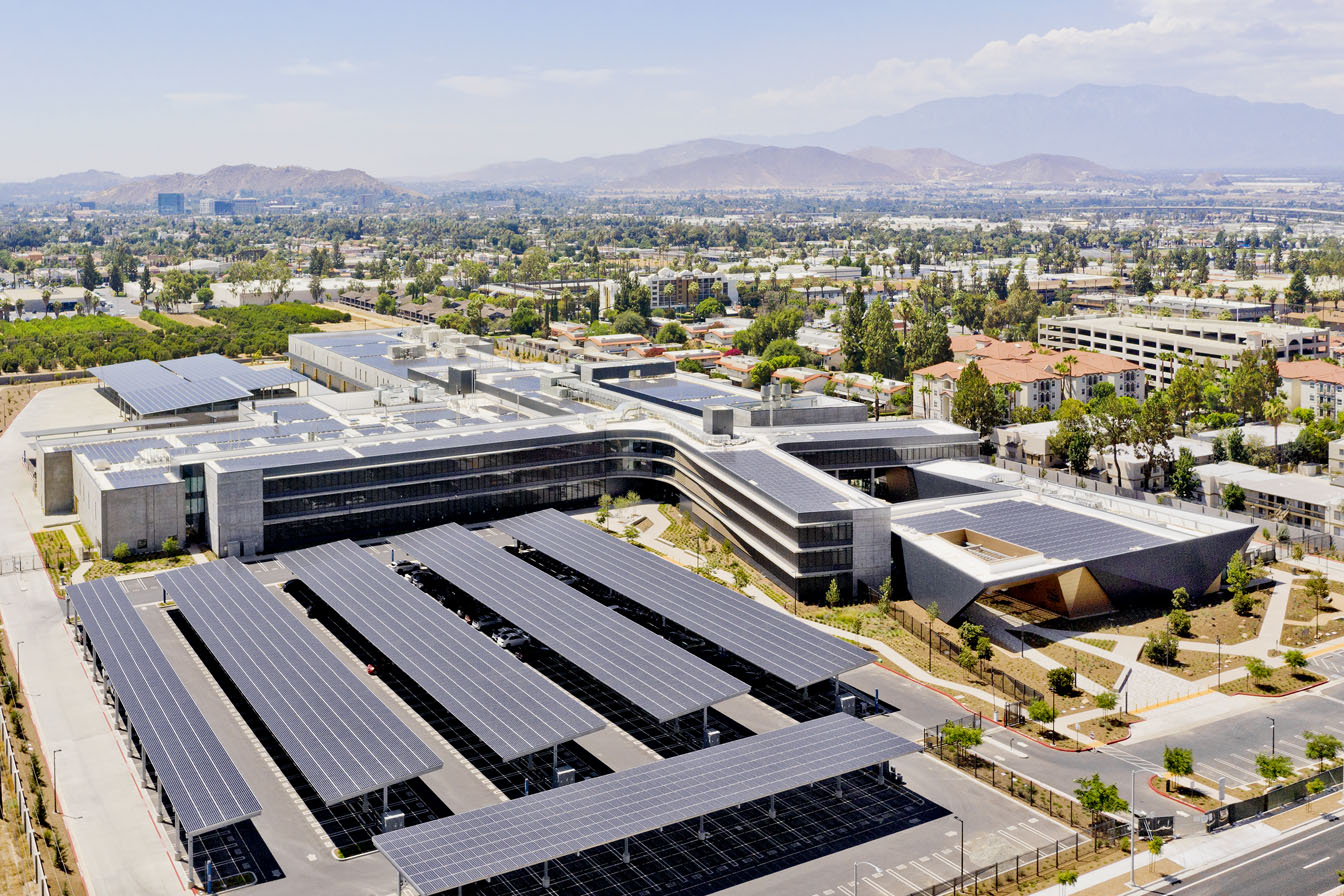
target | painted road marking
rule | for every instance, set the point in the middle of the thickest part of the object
(1315, 863)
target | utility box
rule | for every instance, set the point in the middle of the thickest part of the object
(393, 820)
(565, 775)
(712, 737)
(848, 704)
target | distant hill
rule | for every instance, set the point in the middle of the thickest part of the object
(924, 165)
(593, 170)
(60, 187)
(1130, 128)
(1046, 170)
(769, 167)
(227, 181)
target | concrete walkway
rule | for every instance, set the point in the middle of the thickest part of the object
(119, 846)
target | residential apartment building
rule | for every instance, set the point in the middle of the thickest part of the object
(1306, 501)
(686, 289)
(1153, 342)
(1316, 385)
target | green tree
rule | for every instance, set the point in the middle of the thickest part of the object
(927, 341)
(1106, 701)
(833, 594)
(1178, 761)
(1296, 294)
(672, 332)
(968, 309)
(534, 266)
(1257, 669)
(852, 329)
(385, 304)
(88, 274)
(1234, 497)
(630, 322)
(524, 318)
(1272, 768)
(1150, 434)
(1154, 848)
(1295, 660)
(146, 286)
(961, 738)
(115, 282)
(1321, 747)
(879, 341)
(975, 404)
(122, 552)
(1318, 590)
(1274, 412)
(1042, 712)
(1178, 622)
(1061, 679)
(1183, 481)
(171, 547)
(1112, 423)
(1161, 648)
(884, 595)
(708, 308)
(603, 510)
(1098, 797)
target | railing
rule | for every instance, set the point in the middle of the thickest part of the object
(1015, 691)
(21, 801)
(16, 563)
(1331, 779)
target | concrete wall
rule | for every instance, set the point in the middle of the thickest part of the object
(55, 481)
(233, 511)
(143, 516)
(872, 545)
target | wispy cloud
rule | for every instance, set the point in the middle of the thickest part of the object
(308, 68)
(293, 108)
(658, 71)
(481, 85)
(202, 98)
(578, 77)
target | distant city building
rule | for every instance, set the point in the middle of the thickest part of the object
(172, 203)
(219, 207)
(1152, 341)
(686, 289)
(1316, 385)
(246, 206)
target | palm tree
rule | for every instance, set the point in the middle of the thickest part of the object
(1065, 369)
(1275, 412)
(925, 391)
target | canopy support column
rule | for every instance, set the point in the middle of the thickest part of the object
(555, 765)
(625, 851)
(772, 805)
(546, 873)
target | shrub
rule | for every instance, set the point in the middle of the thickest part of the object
(1061, 679)
(1162, 648)
(1178, 761)
(122, 552)
(171, 547)
(1243, 604)
(1106, 701)
(1295, 659)
(1178, 621)
(1040, 711)
(970, 633)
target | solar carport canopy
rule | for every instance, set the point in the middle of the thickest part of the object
(658, 677)
(769, 639)
(473, 846)
(200, 780)
(151, 389)
(343, 739)
(508, 705)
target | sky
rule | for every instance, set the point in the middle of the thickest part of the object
(403, 89)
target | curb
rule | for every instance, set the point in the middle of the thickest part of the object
(1305, 687)
(1174, 799)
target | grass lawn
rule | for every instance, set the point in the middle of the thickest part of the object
(1109, 727)
(57, 554)
(1299, 634)
(1281, 681)
(83, 536)
(1100, 643)
(1099, 669)
(103, 568)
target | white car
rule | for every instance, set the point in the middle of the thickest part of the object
(510, 637)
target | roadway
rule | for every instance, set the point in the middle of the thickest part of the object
(1304, 866)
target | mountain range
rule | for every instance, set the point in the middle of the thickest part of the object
(227, 181)
(61, 187)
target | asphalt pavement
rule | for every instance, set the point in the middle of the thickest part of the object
(1303, 866)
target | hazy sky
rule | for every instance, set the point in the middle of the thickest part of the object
(426, 89)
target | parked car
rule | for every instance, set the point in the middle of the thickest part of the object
(511, 637)
(485, 622)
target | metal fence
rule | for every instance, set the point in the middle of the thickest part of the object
(1014, 690)
(1331, 779)
(16, 563)
(21, 801)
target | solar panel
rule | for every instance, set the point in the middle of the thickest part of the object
(511, 707)
(790, 487)
(134, 478)
(551, 824)
(1055, 532)
(341, 737)
(658, 677)
(119, 451)
(769, 639)
(202, 783)
(215, 366)
(151, 389)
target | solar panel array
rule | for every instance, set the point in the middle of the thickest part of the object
(134, 478)
(151, 389)
(215, 366)
(120, 451)
(341, 737)
(769, 639)
(511, 707)
(617, 652)
(1055, 532)
(202, 783)
(693, 396)
(463, 849)
(777, 479)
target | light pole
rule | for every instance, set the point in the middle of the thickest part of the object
(856, 874)
(18, 672)
(1220, 661)
(961, 849)
(55, 797)
(1271, 734)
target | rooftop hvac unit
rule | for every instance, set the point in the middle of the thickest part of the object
(565, 775)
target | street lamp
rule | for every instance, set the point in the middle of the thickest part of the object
(961, 849)
(55, 797)
(1133, 831)
(1220, 661)
(1271, 734)
(856, 874)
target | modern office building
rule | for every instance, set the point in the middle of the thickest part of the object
(1153, 342)
(172, 203)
